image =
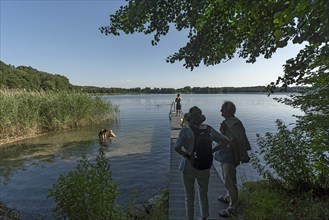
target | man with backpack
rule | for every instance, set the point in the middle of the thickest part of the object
(231, 156)
(194, 143)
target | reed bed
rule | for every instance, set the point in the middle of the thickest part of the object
(25, 113)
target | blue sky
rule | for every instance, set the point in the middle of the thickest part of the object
(62, 37)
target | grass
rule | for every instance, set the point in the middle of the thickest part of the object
(261, 201)
(156, 208)
(25, 113)
(161, 208)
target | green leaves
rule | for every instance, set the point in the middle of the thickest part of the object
(28, 78)
(87, 192)
(293, 162)
(302, 6)
(278, 34)
(218, 30)
(282, 43)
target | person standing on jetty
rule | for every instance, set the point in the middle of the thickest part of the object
(231, 156)
(178, 101)
(185, 146)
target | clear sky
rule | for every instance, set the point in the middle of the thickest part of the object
(62, 37)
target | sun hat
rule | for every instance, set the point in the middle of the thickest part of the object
(195, 116)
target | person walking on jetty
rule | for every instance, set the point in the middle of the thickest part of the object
(231, 156)
(188, 141)
(178, 101)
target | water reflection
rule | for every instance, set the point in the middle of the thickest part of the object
(23, 155)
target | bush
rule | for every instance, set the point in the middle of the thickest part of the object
(87, 192)
(160, 211)
(292, 161)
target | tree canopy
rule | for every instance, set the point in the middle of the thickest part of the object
(28, 78)
(222, 29)
(219, 30)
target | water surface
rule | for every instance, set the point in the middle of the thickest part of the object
(139, 155)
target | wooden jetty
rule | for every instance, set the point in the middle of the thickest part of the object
(176, 188)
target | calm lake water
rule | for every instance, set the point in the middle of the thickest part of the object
(139, 155)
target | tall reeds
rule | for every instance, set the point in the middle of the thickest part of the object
(25, 113)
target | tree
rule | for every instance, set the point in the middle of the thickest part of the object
(218, 30)
(31, 79)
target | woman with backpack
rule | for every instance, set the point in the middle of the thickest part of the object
(194, 143)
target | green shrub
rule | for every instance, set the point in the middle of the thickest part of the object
(161, 209)
(292, 161)
(87, 192)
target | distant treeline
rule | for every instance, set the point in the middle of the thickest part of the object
(30, 79)
(186, 89)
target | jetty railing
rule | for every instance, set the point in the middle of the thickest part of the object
(172, 108)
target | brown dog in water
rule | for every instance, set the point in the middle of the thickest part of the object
(104, 133)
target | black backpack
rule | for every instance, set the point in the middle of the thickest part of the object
(202, 155)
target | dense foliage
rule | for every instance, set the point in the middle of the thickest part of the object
(87, 192)
(299, 166)
(218, 30)
(30, 113)
(28, 78)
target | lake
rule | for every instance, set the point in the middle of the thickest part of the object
(139, 155)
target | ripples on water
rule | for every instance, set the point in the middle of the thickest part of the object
(139, 155)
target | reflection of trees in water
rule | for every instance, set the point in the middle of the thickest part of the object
(23, 155)
(9, 164)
